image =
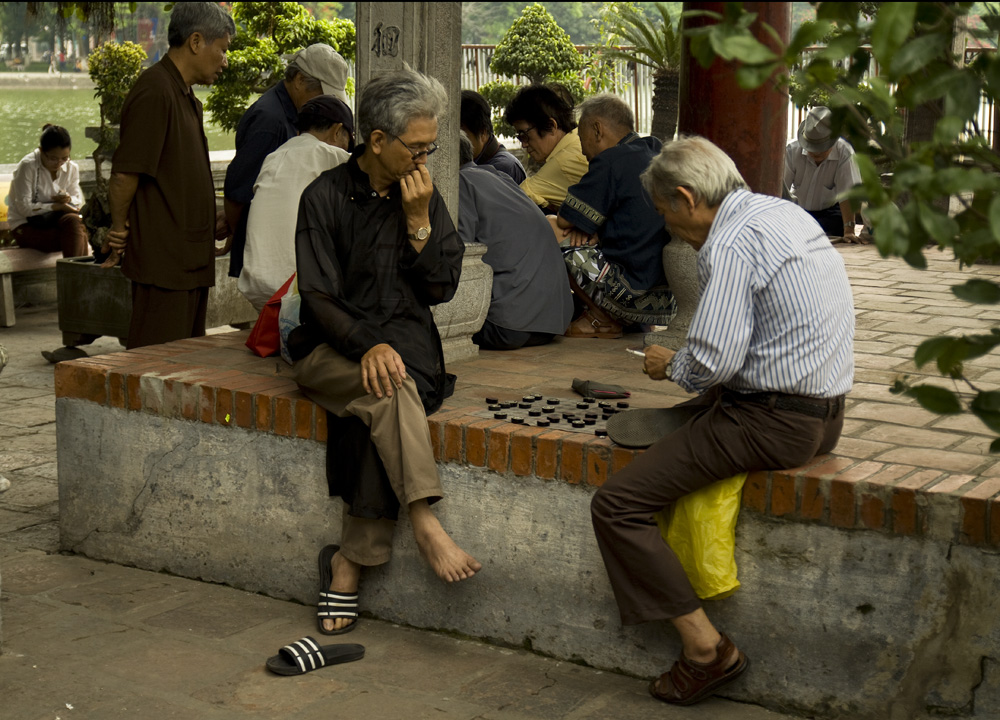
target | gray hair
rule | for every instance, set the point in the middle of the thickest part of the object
(466, 153)
(694, 163)
(207, 18)
(609, 108)
(310, 83)
(389, 102)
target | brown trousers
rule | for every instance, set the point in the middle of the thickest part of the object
(69, 235)
(398, 430)
(161, 316)
(726, 438)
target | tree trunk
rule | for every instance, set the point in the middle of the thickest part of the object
(665, 104)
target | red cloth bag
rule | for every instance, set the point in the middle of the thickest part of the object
(264, 339)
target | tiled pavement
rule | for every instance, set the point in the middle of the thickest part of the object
(111, 641)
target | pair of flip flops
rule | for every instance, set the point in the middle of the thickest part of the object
(334, 605)
(306, 655)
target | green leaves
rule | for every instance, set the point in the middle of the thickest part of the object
(979, 291)
(535, 47)
(936, 399)
(892, 26)
(265, 31)
(114, 68)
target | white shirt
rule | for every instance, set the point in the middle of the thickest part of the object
(269, 257)
(33, 188)
(776, 312)
(816, 187)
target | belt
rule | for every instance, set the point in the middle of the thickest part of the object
(814, 407)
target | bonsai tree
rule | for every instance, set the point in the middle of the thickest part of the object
(114, 68)
(536, 48)
(265, 32)
(653, 43)
(952, 166)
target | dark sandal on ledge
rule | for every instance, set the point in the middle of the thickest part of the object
(333, 605)
(688, 682)
(307, 655)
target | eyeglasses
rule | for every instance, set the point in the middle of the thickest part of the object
(522, 136)
(417, 154)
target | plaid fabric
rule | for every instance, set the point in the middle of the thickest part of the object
(605, 283)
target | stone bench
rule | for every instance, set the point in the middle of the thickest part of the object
(868, 588)
(30, 267)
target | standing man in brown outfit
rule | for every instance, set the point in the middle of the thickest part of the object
(161, 189)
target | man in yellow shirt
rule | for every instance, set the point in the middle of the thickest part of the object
(545, 127)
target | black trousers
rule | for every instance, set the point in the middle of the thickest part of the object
(831, 220)
(725, 438)
(494, 337)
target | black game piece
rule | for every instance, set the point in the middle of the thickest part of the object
(492, 401)
(601, 432)
(517, 420)
(500, 416)
(496, 406)
(542, 423)
(534, 413)
(524, 405)
(552, 401)
(622, 404)
(579, 423)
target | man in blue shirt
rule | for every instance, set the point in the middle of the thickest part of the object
(268, 124)
(531, 301)
(770, 352)
(486, 149)
(614, 233)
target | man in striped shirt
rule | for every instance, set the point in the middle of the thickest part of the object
(770, 353)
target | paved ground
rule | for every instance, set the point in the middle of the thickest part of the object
(116, 642)
(88, 640)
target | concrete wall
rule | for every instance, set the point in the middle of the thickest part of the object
(838, 624)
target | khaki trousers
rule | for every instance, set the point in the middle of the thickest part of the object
(398, 430)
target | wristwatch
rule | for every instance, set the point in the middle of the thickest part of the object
(669, 370)
(421, 234)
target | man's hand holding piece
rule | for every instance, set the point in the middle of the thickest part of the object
(381, 369)
(655, 364)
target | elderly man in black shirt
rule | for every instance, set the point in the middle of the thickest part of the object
(375, 248)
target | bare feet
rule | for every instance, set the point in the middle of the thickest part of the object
(346, 575)
(450, 562)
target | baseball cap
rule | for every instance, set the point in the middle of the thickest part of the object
(322, 62)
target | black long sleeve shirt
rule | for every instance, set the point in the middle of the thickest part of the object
(362, 283)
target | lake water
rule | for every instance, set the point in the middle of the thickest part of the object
(24, 111)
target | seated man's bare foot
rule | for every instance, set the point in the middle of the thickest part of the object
(450, 562)
(346, 575)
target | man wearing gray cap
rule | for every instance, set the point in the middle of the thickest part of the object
(819, 167)
(269, 123)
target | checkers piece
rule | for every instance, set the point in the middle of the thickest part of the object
(517, 420)
(499, 416)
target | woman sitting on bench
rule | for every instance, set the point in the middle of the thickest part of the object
(45, 198)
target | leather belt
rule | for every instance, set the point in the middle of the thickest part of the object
(813, 407)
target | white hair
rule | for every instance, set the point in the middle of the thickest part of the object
(694, 163)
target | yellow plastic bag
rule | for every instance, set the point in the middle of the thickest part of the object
(701, 531)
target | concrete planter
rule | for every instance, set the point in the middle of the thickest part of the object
(680, 263)
(460, 318)
(96, 301)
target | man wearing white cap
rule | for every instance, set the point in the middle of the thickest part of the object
(269, 123)
(819, 167)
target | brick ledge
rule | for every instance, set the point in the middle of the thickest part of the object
(836, 491)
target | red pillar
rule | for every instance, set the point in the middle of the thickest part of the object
(750, 126)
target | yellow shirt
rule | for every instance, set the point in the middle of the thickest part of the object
(564, 167)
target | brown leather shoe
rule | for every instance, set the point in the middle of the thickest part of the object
(588, 326)
(689, 682)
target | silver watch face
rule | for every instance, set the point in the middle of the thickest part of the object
(423, 233)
